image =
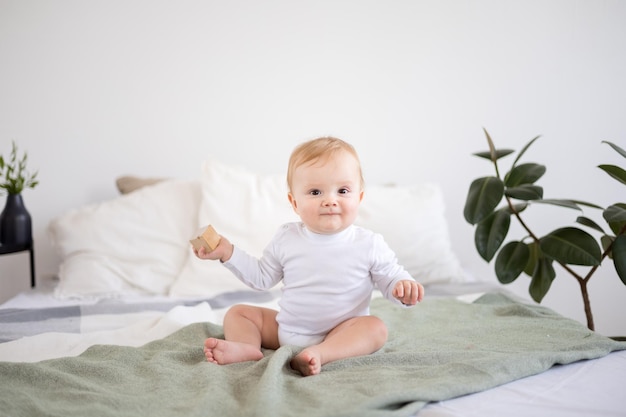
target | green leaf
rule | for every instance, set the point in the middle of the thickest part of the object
(570, 245)
(14, 176)
(482, 198)
(534, 255)
(525, 192)
(619, 257)
(492, 148)
(606, 241)
(559, 202)
(490, 233)
(615, 216)
(568, 203)
(615, 172)
(585, 203)
(524, 149)
(518, 208)
(524, 174)
(617, 148)
(499, 153)
(585, 221)
(511, 261)
(542, 278)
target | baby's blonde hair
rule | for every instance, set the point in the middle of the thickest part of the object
(319, 149)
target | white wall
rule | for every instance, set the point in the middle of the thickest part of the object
(96, 89)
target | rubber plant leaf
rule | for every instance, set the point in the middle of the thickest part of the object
(542, 278)
(615, 172)
(570, 245)
(511, 261)
(491, 232)
(525, 148)
(559, 202)
(607, 241)
(585, 203)
(518, 208)
(619, 257)
(494, 154)
(525, 192)
(617, 148)
(586, 221)
(524, 174)
(499, 153)
(615, 216)
(615, 213)
(533, 257)
(482, 198)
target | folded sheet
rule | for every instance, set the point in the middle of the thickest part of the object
(137, 330)
(69, 330)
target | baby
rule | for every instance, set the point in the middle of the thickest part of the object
(329, 268)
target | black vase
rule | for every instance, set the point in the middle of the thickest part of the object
(15, 222)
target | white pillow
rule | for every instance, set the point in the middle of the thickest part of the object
(244, 207)
(412, 222)
(135, 243)
(248, 209)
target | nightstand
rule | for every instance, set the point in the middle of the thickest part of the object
(7, 249)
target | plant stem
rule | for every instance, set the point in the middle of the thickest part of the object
(519, 219)
(583, 289)
(581, 281)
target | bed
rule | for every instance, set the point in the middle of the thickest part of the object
(120, 331)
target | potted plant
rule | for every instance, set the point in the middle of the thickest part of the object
(15, 221)
(535, 255)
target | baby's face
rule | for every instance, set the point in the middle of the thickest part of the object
(326, 195)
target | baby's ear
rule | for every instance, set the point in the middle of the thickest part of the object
(293, 202)
(361, 196)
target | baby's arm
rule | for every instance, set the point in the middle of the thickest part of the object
(408, 292)
(244, 266)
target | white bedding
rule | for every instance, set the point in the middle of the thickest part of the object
(591, 388)
(585, 389)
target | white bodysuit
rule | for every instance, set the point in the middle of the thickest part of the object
(327, 279)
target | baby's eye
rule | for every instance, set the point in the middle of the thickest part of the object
(344, 191)
(315, 192)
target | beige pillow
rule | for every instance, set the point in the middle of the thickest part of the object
(129, 183)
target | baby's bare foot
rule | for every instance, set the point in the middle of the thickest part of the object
(308, 362)
(224, 352)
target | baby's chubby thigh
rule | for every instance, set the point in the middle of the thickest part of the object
(298, 339)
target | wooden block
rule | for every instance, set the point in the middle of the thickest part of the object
(207, 238)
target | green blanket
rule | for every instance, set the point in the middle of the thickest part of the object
(437, 350)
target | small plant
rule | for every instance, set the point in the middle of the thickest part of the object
(14, 176)
(533, 255)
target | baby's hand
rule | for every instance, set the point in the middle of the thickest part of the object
(408, 292)
(223, 251)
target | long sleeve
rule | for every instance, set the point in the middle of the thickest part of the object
(260, 274)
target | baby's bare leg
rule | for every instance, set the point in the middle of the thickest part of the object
(354, 337)
(246, 329)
